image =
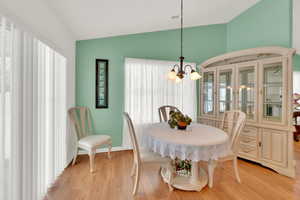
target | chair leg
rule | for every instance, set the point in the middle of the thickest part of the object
(92, 159)
(136, 179)
(109, 151)
(211, 167)
(236, 172)
(74, 158)
(132, 173)
(171, 171)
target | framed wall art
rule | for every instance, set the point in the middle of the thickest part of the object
(101, 83)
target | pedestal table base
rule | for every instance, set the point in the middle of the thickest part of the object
(196, 182)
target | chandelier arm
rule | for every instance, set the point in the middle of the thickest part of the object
(176, 65)
(190, 66)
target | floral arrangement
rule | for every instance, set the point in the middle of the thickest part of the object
(179, 120)
(183, 167)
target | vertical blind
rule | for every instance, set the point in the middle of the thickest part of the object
(32, 114)
(147, 88)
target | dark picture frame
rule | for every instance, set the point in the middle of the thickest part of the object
(101, 83)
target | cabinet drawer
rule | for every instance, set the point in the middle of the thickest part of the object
(217, 124)
(250, 131)
(209, 122)
(248, 150)
(246, 139)
(204, 121)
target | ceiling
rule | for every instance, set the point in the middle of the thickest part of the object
(89, 19)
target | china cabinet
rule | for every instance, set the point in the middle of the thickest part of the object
(258, 82)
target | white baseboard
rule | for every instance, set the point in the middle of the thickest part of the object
(103, 150)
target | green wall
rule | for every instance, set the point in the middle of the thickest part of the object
(268, 22)
(200, 43)
(297, 63)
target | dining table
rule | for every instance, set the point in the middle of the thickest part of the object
(197, 143)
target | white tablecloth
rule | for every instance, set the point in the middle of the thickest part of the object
(198, 142)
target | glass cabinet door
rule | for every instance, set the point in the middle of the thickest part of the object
(247, 91)
(272, 91)
(208, 93)
(225, 91)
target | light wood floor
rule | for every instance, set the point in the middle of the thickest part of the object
(111, 181)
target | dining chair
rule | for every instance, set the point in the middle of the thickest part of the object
(164, 112)
(142, 156)
(87, 140)
(233, 123)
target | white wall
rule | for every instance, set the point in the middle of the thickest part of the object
(36, 17)
(296, 26)
(296, 82)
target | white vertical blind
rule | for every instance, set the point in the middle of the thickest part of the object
(147, 88)
(32, 114)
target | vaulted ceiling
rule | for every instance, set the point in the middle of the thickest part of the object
(88, 19)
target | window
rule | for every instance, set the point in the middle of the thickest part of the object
(147, 88)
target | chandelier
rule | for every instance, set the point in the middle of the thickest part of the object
(179, 71)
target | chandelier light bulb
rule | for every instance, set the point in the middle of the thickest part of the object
(172, 75)
(195, 75)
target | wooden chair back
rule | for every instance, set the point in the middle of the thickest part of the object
(136, 150)
(233, 123)
(164, 112)
(81, 121)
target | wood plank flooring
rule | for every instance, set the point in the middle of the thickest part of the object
(111, 181)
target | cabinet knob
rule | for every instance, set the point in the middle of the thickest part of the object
(259, 144)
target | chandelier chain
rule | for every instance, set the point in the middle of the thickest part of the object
(181, 67)
(181, 31)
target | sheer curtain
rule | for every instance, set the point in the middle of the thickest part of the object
(32, 114)
(147, 88)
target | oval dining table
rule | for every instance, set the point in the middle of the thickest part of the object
(197, 143)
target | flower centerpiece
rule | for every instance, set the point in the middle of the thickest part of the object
(179, 120)
(182, 167)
